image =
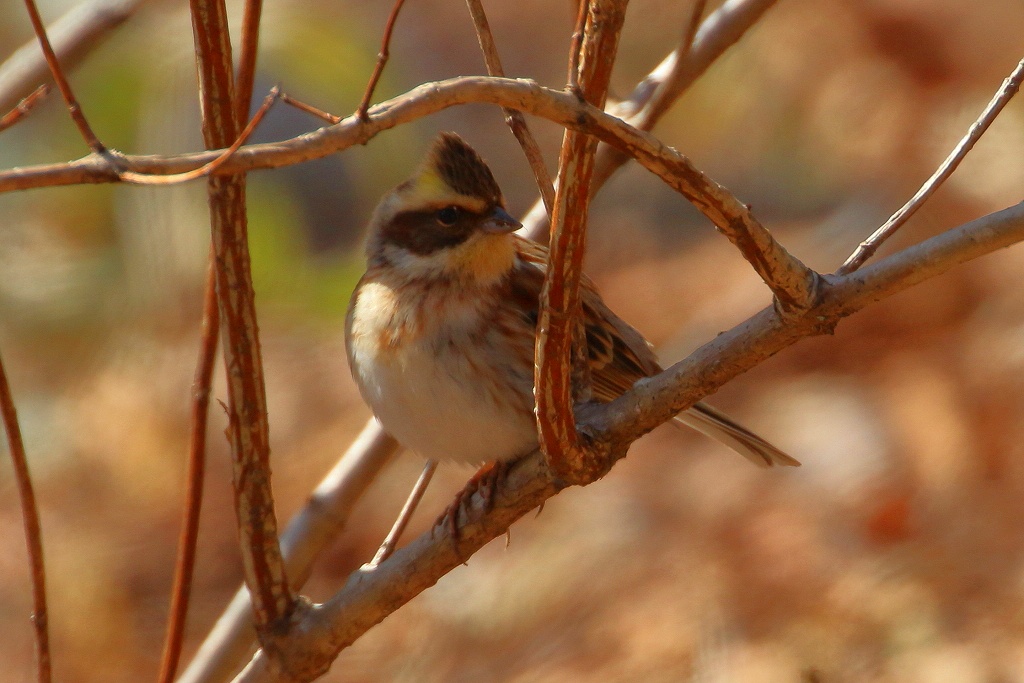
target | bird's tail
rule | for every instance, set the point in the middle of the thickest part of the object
(720, 427)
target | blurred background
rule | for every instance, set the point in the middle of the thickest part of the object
(894, 554)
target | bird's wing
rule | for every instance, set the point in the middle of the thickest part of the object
(618, 355)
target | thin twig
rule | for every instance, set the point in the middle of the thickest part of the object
(209, 168)
(515, 119)
(62, 82)
(576, 46)
(382, 59)
(411, 503)
(248, 425)
(24, 107)
(247, 58)
(1002, 97)
(33, 531)
(185, 564)
(310, 109)
(72, 36)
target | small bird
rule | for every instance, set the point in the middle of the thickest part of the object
(440, 330)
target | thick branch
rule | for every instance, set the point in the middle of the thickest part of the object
(792, 283)
(558, 327)
(229, 644)
(368, 597)
(656, 93)
(248, 427)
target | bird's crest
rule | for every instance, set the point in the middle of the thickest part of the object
(453, 166)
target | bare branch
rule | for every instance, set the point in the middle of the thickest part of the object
(653, 96)
(72, 36)
(576, 44)
(391, 541)
(515, 119)
(558, 327)
(382, 60)
(310, 109)
(369, 596)
(1002, 97)
(247, 58)
(273, 602)
(207, 169)
(228, 645)
(525, 95)
(186, 558)
(33, 531)
(24, 107)
(766, 333)
(204, 369)
(62, 82)
(791, 281)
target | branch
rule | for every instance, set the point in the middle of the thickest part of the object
(868, 247)
(653, 96)
(654, 401)
(368, 597)
(382, 60)
(186, 558)
(248, 428)
(521, 94)
(61, 80)
(559, 328)
(312, 530)
(791, 281)
(72, 36)
(33, 532)
(247, 58)
(24, 107)
(515, 120)
(204, 368)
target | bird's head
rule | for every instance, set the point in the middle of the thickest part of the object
(448, 220)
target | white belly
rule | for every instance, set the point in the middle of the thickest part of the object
(428, 400)
(414, 370)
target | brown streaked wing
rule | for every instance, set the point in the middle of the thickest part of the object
(618, 354)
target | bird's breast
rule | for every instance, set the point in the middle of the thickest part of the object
(437, 371)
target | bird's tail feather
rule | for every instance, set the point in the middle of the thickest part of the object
(720, 427)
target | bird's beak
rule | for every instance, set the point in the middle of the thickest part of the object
(500, 222)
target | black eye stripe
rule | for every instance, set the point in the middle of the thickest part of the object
(422, 232)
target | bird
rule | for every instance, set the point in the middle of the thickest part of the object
(440, 330)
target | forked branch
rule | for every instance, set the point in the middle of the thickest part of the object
(1002, 97)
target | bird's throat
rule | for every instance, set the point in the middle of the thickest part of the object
(485, 259)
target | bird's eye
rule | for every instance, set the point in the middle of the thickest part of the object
(448, 216)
